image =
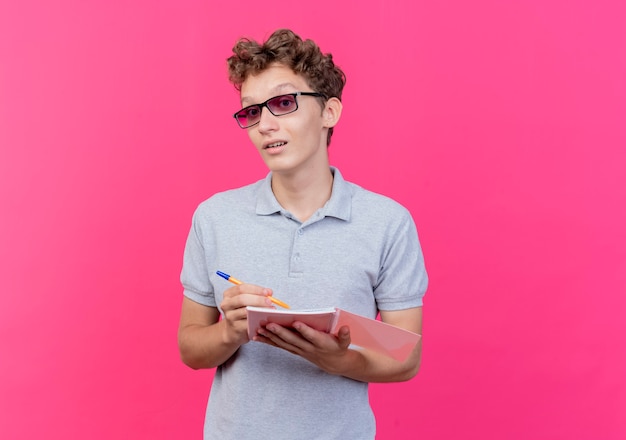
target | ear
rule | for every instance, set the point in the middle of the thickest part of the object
(332, 112)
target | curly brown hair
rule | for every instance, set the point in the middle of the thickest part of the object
(284, 47)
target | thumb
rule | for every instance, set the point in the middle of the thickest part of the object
(343, 336)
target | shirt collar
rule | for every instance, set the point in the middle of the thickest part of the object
(339, 205)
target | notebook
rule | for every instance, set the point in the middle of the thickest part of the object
(364, 332)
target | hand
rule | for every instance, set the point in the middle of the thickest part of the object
(234, 305)
(327, 351)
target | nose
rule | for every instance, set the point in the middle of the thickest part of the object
(268, 122)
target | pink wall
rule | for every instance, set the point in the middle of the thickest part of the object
(500, 125)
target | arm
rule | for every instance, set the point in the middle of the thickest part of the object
(205, 340)
(331, 353)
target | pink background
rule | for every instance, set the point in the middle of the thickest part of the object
(500, 125)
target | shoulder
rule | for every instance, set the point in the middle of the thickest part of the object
(363, 203)
(229, 201)
(376, 205)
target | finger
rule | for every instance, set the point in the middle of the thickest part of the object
(309, 333)
(285, 338)
(343, 337)
(318, 338)
(251, 289)
(238, 297)
(234, 314)
(265, 340)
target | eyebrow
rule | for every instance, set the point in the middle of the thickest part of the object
(276, 89)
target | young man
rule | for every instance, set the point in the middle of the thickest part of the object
(316, 240)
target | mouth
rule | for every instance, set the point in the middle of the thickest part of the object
(275, 144)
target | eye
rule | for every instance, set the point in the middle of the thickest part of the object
(282, 104)
(285, 102)
(252, 112)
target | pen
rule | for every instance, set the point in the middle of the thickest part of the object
(236, 281)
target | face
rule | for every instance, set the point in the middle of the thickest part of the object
(296, 141)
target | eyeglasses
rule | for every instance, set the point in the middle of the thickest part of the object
(278, 106)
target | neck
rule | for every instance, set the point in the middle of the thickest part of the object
(304, 193)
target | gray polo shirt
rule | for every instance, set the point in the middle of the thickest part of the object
(359, 252)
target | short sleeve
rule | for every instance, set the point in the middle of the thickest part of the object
(403, 279)
(194, 275)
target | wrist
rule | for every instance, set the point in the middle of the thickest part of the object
(230, 337)
(350, 363)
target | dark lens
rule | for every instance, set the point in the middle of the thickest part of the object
(282, 105)
(248, 116)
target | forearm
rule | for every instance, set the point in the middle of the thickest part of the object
(332, 353)
(205, 346)
(369, 366)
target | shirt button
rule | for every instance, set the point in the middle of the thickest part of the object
(300, 231)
